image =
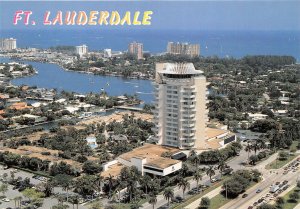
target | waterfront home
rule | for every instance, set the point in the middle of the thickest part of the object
(19, 106)
(257, 116)
(91, 141)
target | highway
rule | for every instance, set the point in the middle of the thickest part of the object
(268, 180)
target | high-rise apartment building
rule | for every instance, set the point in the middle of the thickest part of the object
(180, 105)
(183, 49)
(107, 53)
(136, 49)
(81, 50)
(8, 44)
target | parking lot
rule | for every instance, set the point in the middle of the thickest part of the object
(12, 193)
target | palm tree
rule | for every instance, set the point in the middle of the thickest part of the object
(210, 171)
(131, 188)
(222, 166)
(184, 184)
(98, 181)
(121, 185)
(19, 199)
(197, 177)
(168, 194)
(152, 200)
(15, 200)
(66, 187)
(145, 182)
(110, 183)
(194, 158)
(248, 149)
(75, 200)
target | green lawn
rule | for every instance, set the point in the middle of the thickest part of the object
(288, 204)
(276, 164)
(219, 200)
(193, 198)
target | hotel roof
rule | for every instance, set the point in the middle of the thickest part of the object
(213, 132)
(153, 154)
(180, 68)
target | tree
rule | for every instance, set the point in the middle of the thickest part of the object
(210, 172)
(197, 177)
(152, 200)
(253, 159)
(145, 183)
(3, 188)
(222, 166)
(98, 183)
(48, 188)
(184, 184)
(205, 203)
(283, 156)
(194, 158)
(248, 148)
(280, 201)
(168, 194)
(65, 181)
(75, 200)
(294, 196)
(91, 167)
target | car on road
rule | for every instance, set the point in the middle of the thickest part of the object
(258, 191)
(244, 195)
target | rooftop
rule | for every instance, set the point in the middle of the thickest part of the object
(113, 170)
(180, 68)
(213, 132)
(153, 155)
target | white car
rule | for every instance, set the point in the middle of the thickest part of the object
(5, 200)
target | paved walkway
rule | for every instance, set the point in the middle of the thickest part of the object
(210, 195)
(297, 206)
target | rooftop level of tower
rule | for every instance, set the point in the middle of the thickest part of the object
(178, 69)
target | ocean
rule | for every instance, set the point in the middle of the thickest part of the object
(212, 43)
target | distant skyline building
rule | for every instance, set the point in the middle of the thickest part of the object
(81, 50)
(136, 49)
(107, 53)
(180, 106)
(183, 49)
(8, 44)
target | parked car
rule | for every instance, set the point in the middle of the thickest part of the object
(5, 200)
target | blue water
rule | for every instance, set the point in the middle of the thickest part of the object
(229, 43)
(53, 76)
(221, 43)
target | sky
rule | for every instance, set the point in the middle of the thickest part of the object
(183, 15)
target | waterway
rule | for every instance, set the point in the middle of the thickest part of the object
(53, 76)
